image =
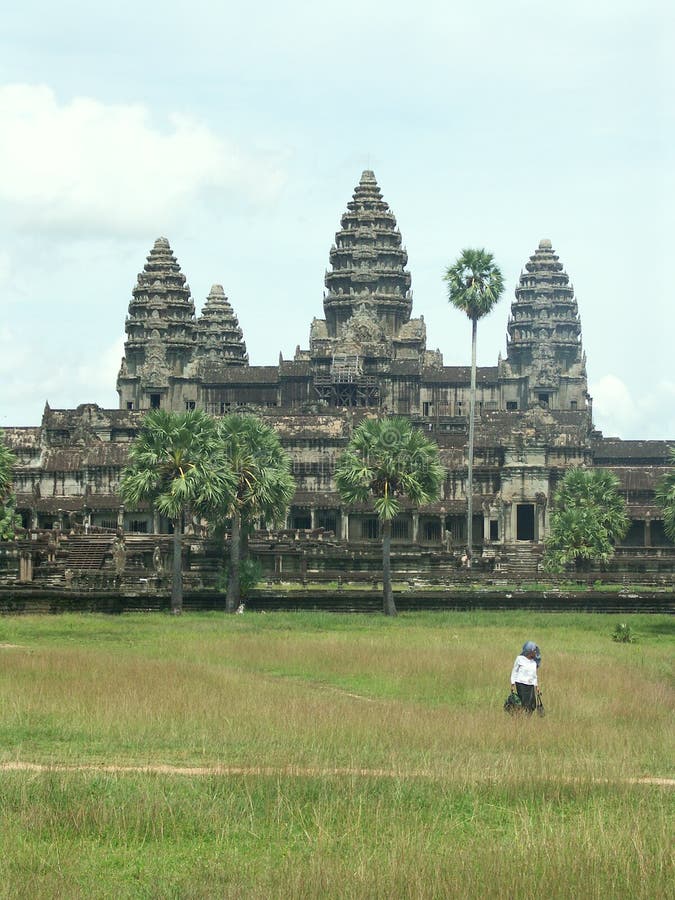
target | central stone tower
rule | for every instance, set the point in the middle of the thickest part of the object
(368, 264)
(367, 304)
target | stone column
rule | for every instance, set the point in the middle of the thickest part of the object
(155, 522)
(540, 517)
(648, 531)
(507, 522)
(441, 519)
(415, 526)
(25, 566)
(312, 518)
(120, 517)
(344, 525)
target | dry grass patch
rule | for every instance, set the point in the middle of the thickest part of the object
(461, 798)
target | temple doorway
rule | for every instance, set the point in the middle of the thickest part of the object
(525, 522)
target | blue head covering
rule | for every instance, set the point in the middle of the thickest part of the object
(530, 646)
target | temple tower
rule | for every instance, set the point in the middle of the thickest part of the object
(545, 363)
(218, 334)
(368, 264)
(367, 304)
(160, 331)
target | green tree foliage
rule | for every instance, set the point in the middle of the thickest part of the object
(665, 497)
(177, 464)
(263, 489)
(9, 520)
(386, 460)
(475, 284)
(587, 519)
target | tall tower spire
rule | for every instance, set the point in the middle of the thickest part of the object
(368, 263)
(544, 334)
(160, 331)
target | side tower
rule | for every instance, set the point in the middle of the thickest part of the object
(160, 332)
(367, 304)
(219, 337)
(545, 365)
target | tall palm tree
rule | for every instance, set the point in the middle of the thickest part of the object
(264, 485)
(475, 285)
(8, 517)
(385, 460)
(176, 463)
(665, 497)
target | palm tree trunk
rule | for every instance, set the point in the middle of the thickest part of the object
(389, 605)
(472, 420)
(234, 582)
(177, 579)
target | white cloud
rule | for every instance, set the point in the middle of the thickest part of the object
(617, 413)
(92, 167)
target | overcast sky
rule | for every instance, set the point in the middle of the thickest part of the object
(239, 131)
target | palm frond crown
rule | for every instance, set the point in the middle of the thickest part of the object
(388, 459)
(475, 283)
(261, 468)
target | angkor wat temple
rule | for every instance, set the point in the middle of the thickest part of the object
(366, 356)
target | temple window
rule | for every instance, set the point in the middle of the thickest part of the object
(573, 404)
(140, 526)
(370, 528)
(154, 401)
(189, 404)
(512, 404)
(130, 404)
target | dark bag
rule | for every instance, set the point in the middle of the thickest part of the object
(512, 704)
(540, 706)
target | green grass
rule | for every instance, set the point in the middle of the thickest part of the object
(409, 779)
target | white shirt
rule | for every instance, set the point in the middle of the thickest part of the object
(524, 670)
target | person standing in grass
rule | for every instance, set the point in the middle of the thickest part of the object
(524, 679)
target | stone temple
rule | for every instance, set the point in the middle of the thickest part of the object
(367, 355)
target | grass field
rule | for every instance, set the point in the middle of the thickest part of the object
(318, 755)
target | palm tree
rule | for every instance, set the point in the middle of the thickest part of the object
(176, 463)
(264, 485)
(587, 519)
(9, 520)
(387, 459)
(665, 497)
(475, 285)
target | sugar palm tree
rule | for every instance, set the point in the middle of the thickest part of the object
(177, 464)
(587, 519)
(665, 497)
(264, 485)
(388, 459)
(8, 517)
(475, 285)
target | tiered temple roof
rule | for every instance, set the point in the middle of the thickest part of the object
(161, 301)
(544, 330)
(160, 326)
(219, 336)
(368, 264)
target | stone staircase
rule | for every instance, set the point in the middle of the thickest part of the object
(520, 562)
(87, 552)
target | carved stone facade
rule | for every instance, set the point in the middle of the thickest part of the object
(367, 356)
